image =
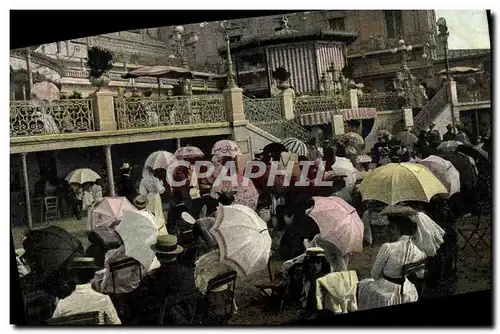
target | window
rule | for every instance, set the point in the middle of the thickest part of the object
(393, 23)
(235, 39)
(337, 24)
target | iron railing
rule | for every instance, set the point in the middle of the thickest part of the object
(30, 118)
(311, 104)
(425, 117)
(477, 92)
(268, 115)
(380, 101)
(133, 113)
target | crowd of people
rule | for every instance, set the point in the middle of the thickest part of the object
(175, 285)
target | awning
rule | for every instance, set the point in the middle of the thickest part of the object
(316, 118)
(325, 117)
(359, 113)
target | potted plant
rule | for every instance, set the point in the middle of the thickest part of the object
(100, 61)
(283, 77)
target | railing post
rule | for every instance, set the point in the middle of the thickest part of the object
(452, 99)
(408, 118)
(109, 170)
(353, 96)
(104, 111)
(288, 104)
(24, 166)
(338, 125)
(233, 99)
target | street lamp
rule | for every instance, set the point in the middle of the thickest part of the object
(404, 50)
(224, 29)
(443, 36)
(182, 44)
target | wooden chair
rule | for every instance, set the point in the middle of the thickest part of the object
(87, 318)
(38, 205)
(215, 283)
(123, 264)
(476, 235)
(39, 306)
(51, 209)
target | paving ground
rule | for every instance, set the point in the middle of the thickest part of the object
(474, 273)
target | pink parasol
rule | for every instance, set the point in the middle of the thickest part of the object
(188, 153)
(102, 219)
(225, 148)
(338, 223)
(246, 193)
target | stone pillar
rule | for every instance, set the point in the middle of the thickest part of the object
(408, 118)
(288, 104)
(178, 142)
(353, 95)
(24, 166)
(104, 110)
(452, 99)
(338, 125)
(109, 169)
(233, 98)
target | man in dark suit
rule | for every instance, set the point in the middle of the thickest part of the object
(126, 187)
(170, 289)
(204, 200)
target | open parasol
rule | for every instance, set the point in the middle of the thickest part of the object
(160, 159)
(50, 249)
(406, 138)
(158, 72)
(45, 91)
(296, 146)
(394, 183)
(188, 153)
(243, 238)
(338, 223)
(225, 149)
(82, 175)
(104, 217)
(444, 171)
(138, 233)
(459, 70)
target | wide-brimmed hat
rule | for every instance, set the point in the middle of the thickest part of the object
(125, 166)
(167, 244)
(140, 202)
(82, 263)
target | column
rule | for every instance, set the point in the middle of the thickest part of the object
(104, 110)
(178, 142)
(28, 69)
(109, 168)
(24, 166)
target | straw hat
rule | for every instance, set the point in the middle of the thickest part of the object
(125, 166)
(167, 244)
(188, 218)
(315, 251)
(141, 202)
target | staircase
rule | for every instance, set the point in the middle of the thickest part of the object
(267, 114)
(431, 111)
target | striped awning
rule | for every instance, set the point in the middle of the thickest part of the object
(359, 113)
(316, 118)
(325, 117)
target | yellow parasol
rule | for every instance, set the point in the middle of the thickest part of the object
(395, 183)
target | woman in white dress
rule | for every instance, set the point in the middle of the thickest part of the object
(420, 237)
(152, 188)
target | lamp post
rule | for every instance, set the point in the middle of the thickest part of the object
(182, 44)
(443, 36)
(231, 83)
(404, 50)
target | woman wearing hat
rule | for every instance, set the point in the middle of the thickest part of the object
(125, 184)
(152, 188)
(171, 284)
(417, 237)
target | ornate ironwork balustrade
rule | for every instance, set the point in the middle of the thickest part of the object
(268, 115)
(380, 101)
(29, 118)
(133, 113)
(312, 104)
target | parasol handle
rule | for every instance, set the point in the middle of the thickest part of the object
(264, 230)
